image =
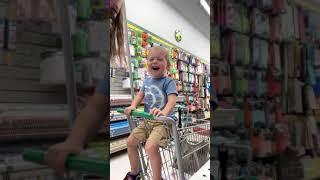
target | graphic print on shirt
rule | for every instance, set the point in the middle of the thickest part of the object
(154, 97)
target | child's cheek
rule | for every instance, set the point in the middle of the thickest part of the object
(162, 67)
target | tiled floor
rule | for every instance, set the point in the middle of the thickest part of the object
(119, 166)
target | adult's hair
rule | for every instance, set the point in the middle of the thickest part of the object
(117, 37)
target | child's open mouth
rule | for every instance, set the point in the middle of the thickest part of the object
(155, 68)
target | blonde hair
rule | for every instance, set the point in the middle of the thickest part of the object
(163, 49)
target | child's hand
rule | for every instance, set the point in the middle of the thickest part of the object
(57, 155)
(128, 110)
(157, 112)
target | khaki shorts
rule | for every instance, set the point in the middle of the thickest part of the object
(152, 130)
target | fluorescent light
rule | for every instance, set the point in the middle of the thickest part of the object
(205, 5)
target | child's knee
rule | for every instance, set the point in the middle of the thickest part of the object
(151, 147)
(132, 141)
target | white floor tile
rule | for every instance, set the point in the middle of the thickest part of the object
(119, 166)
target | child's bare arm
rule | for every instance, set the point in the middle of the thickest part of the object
(172, 98)
(136, 101)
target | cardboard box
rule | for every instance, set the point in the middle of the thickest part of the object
(52, 71)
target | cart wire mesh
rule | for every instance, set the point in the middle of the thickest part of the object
(192, 140)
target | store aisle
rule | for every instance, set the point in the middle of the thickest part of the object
(119, 165)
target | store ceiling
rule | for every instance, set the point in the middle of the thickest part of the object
(194, 13)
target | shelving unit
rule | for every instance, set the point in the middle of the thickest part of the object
(39, 108)
(256, 73)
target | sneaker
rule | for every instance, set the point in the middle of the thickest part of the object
(130, 176)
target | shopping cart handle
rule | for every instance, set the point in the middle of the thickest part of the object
(138, 114)
(166, 119)
(73, 162)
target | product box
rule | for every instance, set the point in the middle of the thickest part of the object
(52, 70)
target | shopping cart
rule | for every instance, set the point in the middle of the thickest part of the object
(187, 148)
(74, 163)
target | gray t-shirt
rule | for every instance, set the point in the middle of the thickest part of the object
(156, 91)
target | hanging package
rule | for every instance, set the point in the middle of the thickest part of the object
(179, 86)
(215, 47)
(230, 49)
(232, 15)
(191, 68)
(260, 23)
(237, 80)
(83, 9)
(265, 5)
(80, 43)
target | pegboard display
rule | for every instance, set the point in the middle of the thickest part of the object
(264, 56)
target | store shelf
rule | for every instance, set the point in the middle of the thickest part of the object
(207, 115)
(120, 100)
(268, 160)
(119, 128)
(120, 104)
(32, 134)
(118, 145)
(120, 118)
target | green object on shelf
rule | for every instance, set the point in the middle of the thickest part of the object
(80, 43)
(83, 9)
(150, 41)
(173, 70)
(135, 75)
(138, 51)
(139, 58)
(73, 162)
(138, 114)
(139, 34)
(139, 41)
(135, 63)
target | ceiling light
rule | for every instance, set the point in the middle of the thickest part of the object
(205, 5)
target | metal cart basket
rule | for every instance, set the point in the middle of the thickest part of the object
(187, 148)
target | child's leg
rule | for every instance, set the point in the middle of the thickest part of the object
(157, 138)
(137, 136)
(132, 148)
(152, 150)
